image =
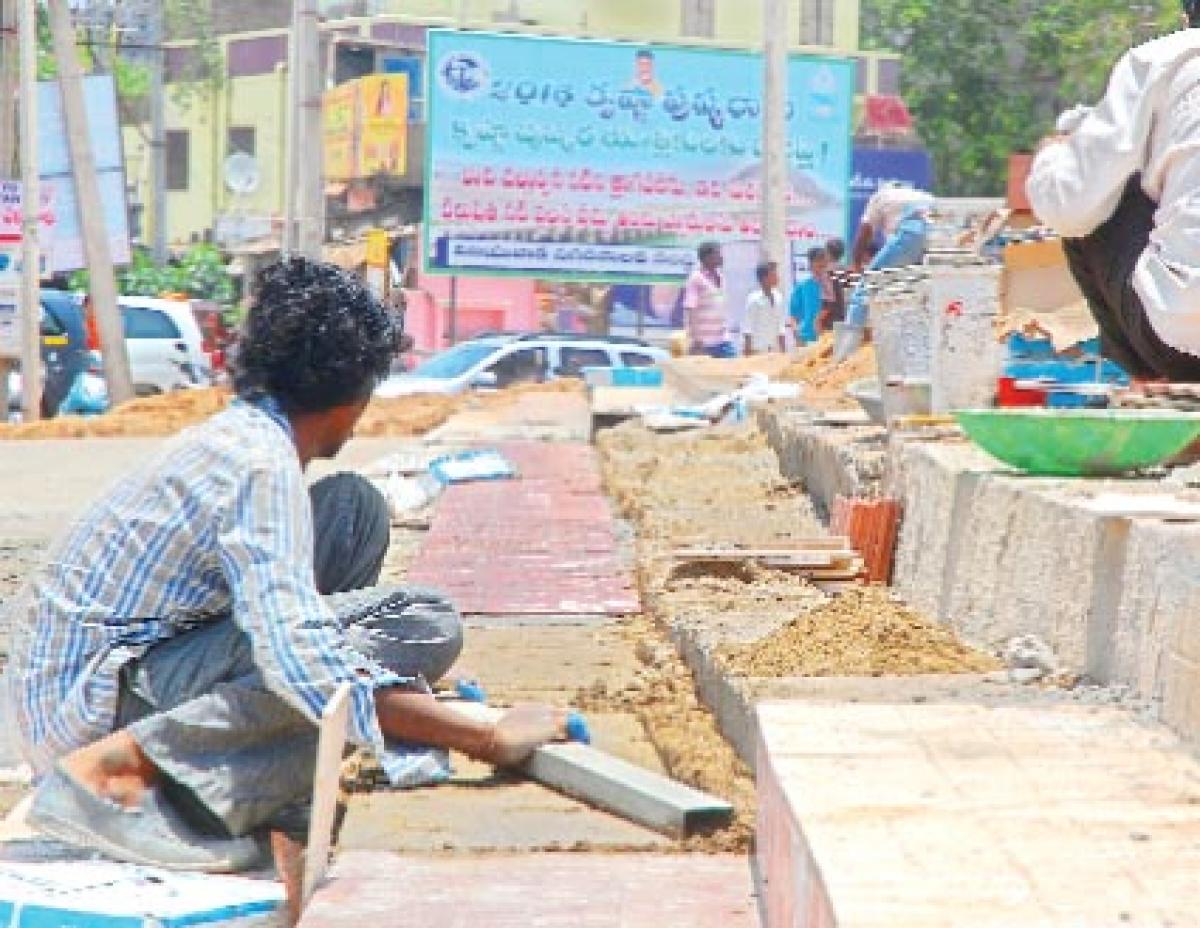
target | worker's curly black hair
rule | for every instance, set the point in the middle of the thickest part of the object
(315, 338)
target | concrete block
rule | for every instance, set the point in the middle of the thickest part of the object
(1159, 605)
(950, 815)
(830, 461)
(1021, 562)
(1181, 695)
(934, 494)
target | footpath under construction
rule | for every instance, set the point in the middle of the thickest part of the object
(888, 760)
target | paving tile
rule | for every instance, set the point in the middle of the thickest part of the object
(544, 543)
(543, 890)
(910, 816)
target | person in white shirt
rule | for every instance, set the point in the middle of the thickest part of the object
(765, 325)
(1123, 189)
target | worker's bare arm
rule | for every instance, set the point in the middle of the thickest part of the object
(420, 718)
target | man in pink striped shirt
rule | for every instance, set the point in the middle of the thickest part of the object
(704, 304)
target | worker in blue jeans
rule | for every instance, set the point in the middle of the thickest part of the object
(905, 247)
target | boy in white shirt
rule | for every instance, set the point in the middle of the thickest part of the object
(765, 326)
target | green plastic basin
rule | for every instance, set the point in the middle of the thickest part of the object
(1080, 442)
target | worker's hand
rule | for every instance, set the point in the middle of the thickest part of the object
(522, 730)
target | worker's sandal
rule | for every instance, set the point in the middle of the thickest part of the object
(153, 834)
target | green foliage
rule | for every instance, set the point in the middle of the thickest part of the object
(204, 74)
(200, 274)
(986, 79)
(193, 18)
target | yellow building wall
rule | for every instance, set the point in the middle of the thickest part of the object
(737, 22)
(259, 102)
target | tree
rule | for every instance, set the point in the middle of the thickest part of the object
(986, 79)
(204, 70)
(200, 273)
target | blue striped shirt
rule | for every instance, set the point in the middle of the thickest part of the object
(219, 523)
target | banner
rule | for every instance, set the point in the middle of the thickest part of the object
(383, 146)
(100, 101)
(339, 131)
(874, 167)
(606, 161)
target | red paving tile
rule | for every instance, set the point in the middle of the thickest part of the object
(542, 544)
(546, 890)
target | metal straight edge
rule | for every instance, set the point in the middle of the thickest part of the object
(632, 792)
(617, 786)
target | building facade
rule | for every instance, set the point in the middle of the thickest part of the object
(246, 109)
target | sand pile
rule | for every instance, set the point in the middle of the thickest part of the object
(152, 416)
(168, 413)
(825, 380)
(863, 632)
(406, 416)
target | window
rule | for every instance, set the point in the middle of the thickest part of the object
(526, 365)
(177, 159)
(888, 78)
(636, 359)
(699, 18)
(148, 323)
(241, 138)
(816, 21)
(572, 361)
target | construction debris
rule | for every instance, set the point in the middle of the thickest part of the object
(824, 379)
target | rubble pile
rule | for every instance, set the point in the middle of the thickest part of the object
(824, 379)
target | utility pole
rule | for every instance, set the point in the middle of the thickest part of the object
(775, 179)
(291, 153)
(8, 87)
(158, 142)
(306, 183)
(8, 134)
(31, 196)
(96, 248)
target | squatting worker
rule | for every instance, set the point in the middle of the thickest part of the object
(1123, 188)
(172, 656)
(704, 304)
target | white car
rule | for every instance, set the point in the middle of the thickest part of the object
(166, 348)
(498, 361)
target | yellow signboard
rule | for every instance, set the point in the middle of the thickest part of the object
(378, 248)
(384, 134)
(339, 126)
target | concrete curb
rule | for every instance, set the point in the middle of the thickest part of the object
(996, 555)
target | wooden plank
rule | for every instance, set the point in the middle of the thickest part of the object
(790, 559)
(810, 543)
(836, 545)
(616, 786)
(330, 745)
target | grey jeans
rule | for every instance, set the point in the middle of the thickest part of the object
(235, 756)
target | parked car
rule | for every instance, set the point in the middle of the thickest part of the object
(166, 348)
(493, 362)
(64, 351)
